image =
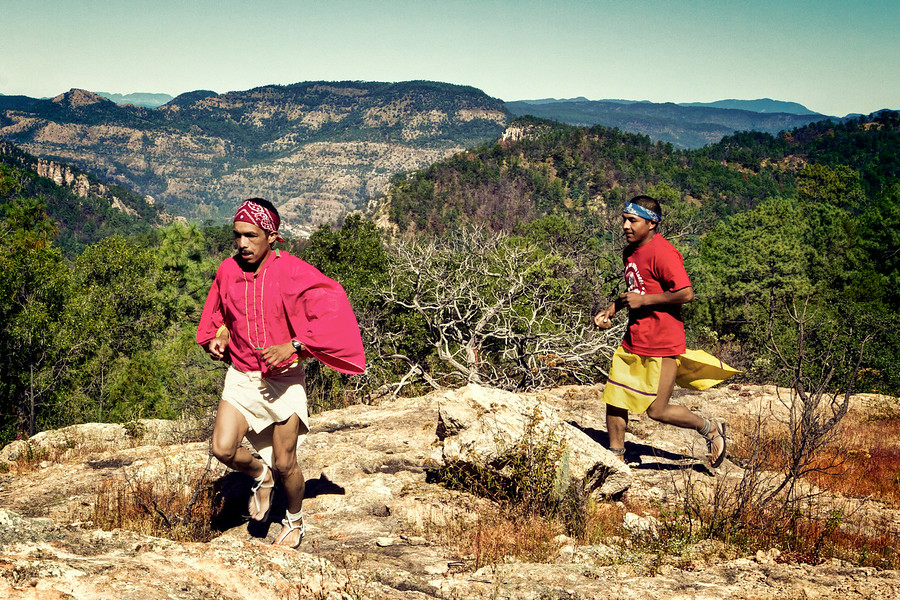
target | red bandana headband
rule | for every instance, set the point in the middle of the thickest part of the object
(256, 214)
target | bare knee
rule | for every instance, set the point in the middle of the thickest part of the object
(224, 450)
(286, 464)
(655, 413)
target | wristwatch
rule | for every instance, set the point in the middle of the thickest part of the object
(297, 346)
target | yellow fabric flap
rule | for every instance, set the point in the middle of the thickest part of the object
(698, 370)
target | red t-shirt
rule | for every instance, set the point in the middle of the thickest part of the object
(654, 268)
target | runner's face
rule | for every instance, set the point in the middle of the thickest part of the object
(253, 243)
(638, 230)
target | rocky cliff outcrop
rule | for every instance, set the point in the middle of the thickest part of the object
(82, 186)
(316, 149)
(71, 210)
(374, 518)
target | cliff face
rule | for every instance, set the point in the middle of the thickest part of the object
(86, 210)
(315, 149)
(83, 186)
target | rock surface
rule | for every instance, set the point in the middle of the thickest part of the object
(480, 424)
(371, 516)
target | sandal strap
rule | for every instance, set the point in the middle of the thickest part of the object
(707, 425)
(290, 524)
(259, 480)
(260, 485)
(617, 451)
(710, 444)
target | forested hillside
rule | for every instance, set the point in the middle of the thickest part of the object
(83, 209)
(766, 222)
(488, 268)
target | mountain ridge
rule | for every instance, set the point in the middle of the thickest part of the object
(316, 148)
(319, 148)
(682, 126)
(145, 99)
(760, 105)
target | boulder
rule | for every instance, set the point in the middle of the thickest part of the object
(480, 425)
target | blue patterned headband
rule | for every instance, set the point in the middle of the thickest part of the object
(645, 213)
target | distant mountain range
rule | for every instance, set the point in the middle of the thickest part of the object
(686, 125)
(763, 105)
(318, 149)
(138, 98)
(700, 123)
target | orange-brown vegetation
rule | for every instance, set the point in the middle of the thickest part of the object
(869, 465)
(829, 517)
(175, 507)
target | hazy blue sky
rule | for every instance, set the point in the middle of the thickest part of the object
(835, 57)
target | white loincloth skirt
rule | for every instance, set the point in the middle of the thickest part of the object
(264, 402)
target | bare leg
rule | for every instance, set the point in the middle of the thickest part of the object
(671, 414)
(674, 414)
(284, 445)
(616, 423)
(228, 432)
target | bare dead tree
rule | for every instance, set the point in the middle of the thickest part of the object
(812, 408)
(498, 311)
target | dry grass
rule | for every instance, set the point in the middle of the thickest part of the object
(845, 507)
(868, 460)
(35, 457)
(862, 461)
(178, 505)
(603, 521)
(490, 533)
(497, 535)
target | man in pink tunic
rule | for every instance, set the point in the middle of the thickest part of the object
(265, 312)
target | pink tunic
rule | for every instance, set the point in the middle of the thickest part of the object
(285, 299)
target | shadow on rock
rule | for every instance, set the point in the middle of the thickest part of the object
(232, 496)
(636, 453)
(321, 486)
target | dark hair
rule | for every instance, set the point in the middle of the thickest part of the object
(649, 203)
(265, 204)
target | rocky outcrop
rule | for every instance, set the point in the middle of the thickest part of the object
(83, 185)
(315, 149)
(480, 425)
(374, 518)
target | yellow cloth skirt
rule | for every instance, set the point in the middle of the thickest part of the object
(634, 380)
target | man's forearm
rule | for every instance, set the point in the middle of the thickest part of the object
(682, 296)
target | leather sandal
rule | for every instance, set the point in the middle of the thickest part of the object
(290, 523)
(710, 445)
(255, 498)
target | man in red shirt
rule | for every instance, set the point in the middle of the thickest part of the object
(643, 372)
(265, 312)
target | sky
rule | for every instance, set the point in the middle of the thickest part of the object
(833, 56)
